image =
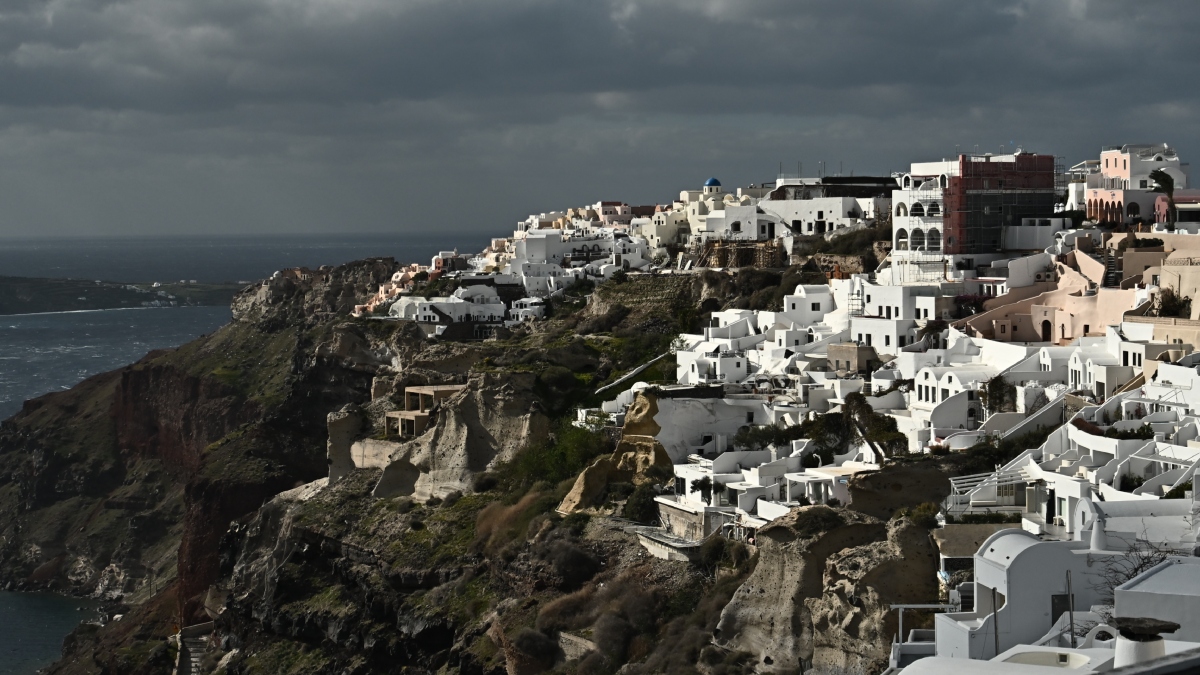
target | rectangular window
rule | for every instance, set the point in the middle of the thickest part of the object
(1143, 184)
(793, 305)
(868, 339)
(887, 340)
(816, 307)
(945, 394)
(750, 417)
(868, 299)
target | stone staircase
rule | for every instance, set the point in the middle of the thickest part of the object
(1112, 275)
(193, 641)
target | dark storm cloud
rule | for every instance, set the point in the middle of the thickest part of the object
(129, 116)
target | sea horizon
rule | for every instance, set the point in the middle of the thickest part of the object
(212, 258)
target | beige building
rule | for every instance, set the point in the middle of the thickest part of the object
(1076, 308)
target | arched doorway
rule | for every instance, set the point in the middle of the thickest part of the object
(1046, 331)
(901, 239)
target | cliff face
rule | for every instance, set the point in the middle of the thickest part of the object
(124, 485)
(191, 483)
(486, 423)
(819, 597)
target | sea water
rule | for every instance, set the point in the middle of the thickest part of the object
(213, 259)
(32, 628)
(42, 353)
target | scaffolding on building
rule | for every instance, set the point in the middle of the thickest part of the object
(989, 195)
(918, 267)
(726, 253)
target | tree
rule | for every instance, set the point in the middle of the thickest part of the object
(1039, 401)
(1165, 184)
(1169, 303)
(932, 329)
(640, 506)
(998, 395)
(878, 431)
(707, 488)
(1139, 556)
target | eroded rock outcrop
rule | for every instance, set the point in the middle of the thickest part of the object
(344, 426)
(629, 463)
(486, 423)
(821, 590)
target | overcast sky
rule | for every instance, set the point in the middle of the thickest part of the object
(317, 116)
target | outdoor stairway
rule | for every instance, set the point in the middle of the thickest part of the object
(963, 486)
(191, 651)
(193, 641)
(1112, 276)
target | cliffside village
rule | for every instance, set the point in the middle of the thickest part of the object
(1018, 298)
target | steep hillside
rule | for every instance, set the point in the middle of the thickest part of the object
(183, 487)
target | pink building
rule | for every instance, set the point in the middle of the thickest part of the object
(1186, 203)
(1121, 191)
(614, 213)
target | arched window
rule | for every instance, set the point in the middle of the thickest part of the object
(933, 240)
(902, 239)
(917, 209)
(1133, 209)
(943, 181)
(934, 210)
(901, 209)
(917, 240)
(907, 182)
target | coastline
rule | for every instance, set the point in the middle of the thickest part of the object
(33, 295)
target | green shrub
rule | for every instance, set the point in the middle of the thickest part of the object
(641, 507)
(924, 515)
(576, 523)
(1179, 492)
(569, 451)
(815, 520)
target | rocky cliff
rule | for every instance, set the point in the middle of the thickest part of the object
(819, 597)
(192, 484)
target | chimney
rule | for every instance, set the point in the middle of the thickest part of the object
(1099, 539)
(1139, 639)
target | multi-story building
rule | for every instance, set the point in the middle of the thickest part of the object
(1121, 191)
(961, 206)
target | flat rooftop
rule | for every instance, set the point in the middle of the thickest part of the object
(1176, 577)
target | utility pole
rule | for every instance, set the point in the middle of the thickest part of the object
(1071, 606)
